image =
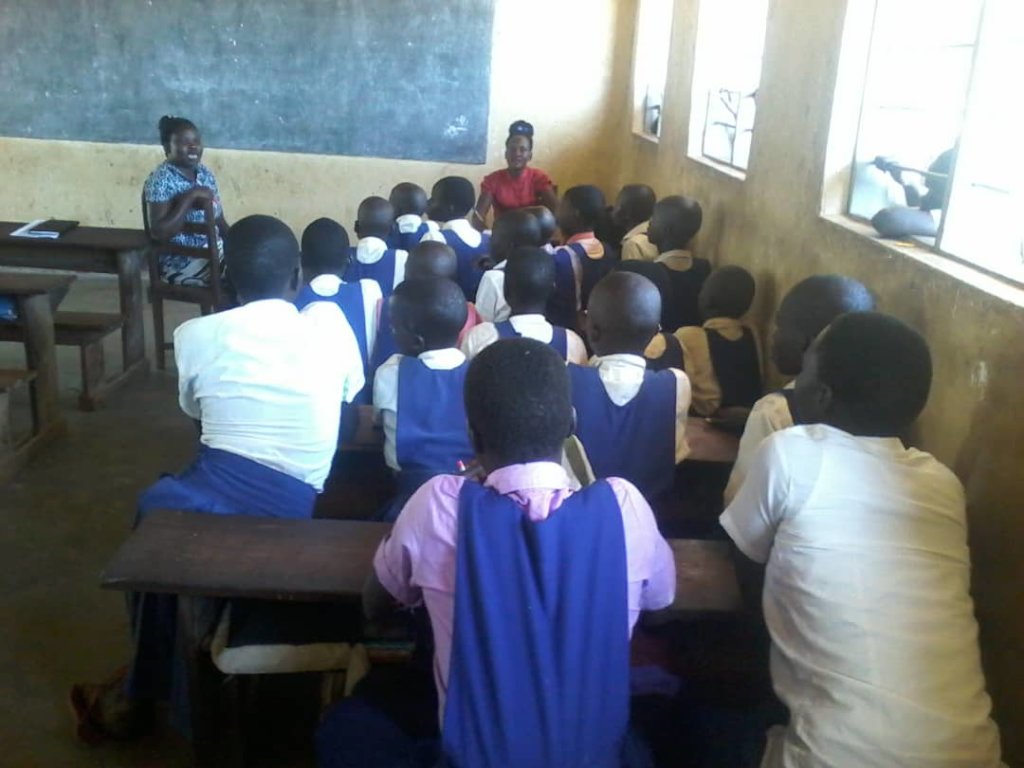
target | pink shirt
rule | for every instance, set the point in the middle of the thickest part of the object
(417, 561)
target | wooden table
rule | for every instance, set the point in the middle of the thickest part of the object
(93, 249)
(707, 443)
(32, 295)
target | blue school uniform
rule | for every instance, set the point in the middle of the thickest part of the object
(635, 441)
(469, 273)
(381, 271)
(350, 299)
(559, 340)
(540, 649)
(736, 367)
(406, 241)
(567, 300)
(385, 345)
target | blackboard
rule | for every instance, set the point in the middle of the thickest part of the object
(379, 78)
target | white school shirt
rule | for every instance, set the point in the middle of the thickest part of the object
(267, 382)
(328, 286)
(385, 393)
(370, 250)
(769, 415)
(622, 377)
(466, 232)
(490, 296)
(408, 223)
(866, 597)
(531, 327)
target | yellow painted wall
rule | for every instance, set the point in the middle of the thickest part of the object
(100, 183)
(769, 223)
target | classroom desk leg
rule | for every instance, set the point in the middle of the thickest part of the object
(41, 356)
(133, 333)
(202, 685)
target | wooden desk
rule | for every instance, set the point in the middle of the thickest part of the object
(32, 294)
(93, 249)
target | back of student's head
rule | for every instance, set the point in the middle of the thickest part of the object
(451, 198)
(873, 375)
(809, 307)
(426, 314)
(623, 314)
(513, 229)
(408, 198)
(262, 258)
(325, 248)
(675, 221)
(728, 292)
(582, 209)
(634, 205)
(529, 279)
(518, 403)
(431, 259)
(374, 218)
(545, 220)
(654, 272)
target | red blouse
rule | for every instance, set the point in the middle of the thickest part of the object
(515, 192)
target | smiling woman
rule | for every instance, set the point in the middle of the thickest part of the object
(176, 194)
(518, 185)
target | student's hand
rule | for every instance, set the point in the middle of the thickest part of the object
(201, 196)
(732, 419)
(891, 166)
(485, 263)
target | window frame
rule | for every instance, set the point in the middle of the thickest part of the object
(639, 95)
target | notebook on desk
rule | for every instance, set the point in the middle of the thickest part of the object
(46, 229)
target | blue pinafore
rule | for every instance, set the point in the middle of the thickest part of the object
(381, 271)
(635, 441)
(469, 273)
(350, 299)
(559, 340)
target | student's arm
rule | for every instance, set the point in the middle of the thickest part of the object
(167, 218)
(385, 406)
(649, 559)
(484, 204)
(769, 415)
(576, 350)
(682, 413)
(548, 198)
(706, 394)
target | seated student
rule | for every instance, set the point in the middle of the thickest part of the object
(632, 422)
(867, 571)
(451, 201)
(410, 203)
(805, 312)
(417, 393)
(675, 222)
(426, 260)
(721, 356)
(507, 597)
(632, 216)
(325, 257)
(515, 229)
(529, 283)
(547, 223)
(268, 400)
(664, 350)
(374, 260)
(583, 260)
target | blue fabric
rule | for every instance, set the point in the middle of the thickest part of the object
(559, 340)
(406, 241)
(737, 368)
(635, 441)
(469, 273)
(8, 308)
(563, 304)
(385, 345)
(540, 649)
(381, 271)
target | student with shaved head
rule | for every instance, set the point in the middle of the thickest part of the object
(373, 258)
(411, 225)
(675, 222)
(631, 215)
(632, 422)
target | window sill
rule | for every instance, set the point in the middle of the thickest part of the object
(725, 170)
(1002, 289)
(648, 137)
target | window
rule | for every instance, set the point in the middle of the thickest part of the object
(650, 64)
(938, 139)
(727, 74)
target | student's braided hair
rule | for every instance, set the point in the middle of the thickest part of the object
(170, 125)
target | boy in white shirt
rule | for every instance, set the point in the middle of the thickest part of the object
(866, 582)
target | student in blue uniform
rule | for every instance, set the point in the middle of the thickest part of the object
(583, 260)
(532, 587)
(417, 393)
(411, 227)
(267, 399)
(373, 259)
(325, 257)
(529, 283)
(451, 203)
(721, 356)
(675, 222)
(632, 422)
(514, 229)
(808, 309)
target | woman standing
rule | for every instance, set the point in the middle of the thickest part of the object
(518, 185)
(177, 193)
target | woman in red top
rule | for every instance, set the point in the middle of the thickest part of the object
(517, 186)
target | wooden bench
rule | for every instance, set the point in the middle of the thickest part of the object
(85, 330)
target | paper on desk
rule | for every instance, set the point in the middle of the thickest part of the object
(25, 231)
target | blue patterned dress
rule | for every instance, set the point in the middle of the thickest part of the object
(166, 183)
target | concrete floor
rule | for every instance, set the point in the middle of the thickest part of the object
(60, 521)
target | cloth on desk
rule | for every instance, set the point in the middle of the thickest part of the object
(8, 309)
